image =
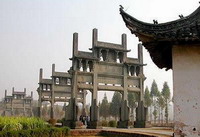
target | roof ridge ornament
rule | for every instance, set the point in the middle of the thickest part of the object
(121, 7)
(155, 22)
(181, 16)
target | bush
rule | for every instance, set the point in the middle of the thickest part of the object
(43, 132)
(40, 132)
(65, 130)
(29, 127)
(59, 120)
(32, 123)
(104, 123)
(11, 134)
(112, 123)
(20, 123)
(25, 133)
(52, 121)
(14, 126)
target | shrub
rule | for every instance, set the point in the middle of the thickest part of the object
(104, 123)
(14, 126)
(25, 133)
(65, 131)
(112, 123)
(29, 127)
(54, 132)
(52, 121)
(19, 123)
(59, 120)
(39, 132)
(12, 134)
(32, 123)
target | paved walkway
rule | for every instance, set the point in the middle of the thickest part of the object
(159, 132)
(155, 132)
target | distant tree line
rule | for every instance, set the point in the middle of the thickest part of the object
(158, 102)
(107, 109)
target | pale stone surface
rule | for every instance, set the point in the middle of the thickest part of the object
(186, 77)
(158, 132)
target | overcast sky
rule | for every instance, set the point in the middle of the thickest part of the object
(36, 33)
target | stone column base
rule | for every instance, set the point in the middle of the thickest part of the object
(122, 124)
(139, 124)
(141, 113)
(93, 125)
(72, 124)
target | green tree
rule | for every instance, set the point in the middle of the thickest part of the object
(132, 99)
(154, 94)
(154, 89)
(155, 113)
(104, 107)
(115, 105)
(166, 95)
(147, 99)
(161, 106)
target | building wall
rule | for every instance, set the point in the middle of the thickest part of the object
(186, 78)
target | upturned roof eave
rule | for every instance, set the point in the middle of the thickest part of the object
(135, 22)
(158, 39)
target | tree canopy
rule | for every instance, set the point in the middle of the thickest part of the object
(154, 89)
(166, 95)
(104, 107)
(147, 97)
(132, 99)
(160, 101)
(115, 104)
(166, 91)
